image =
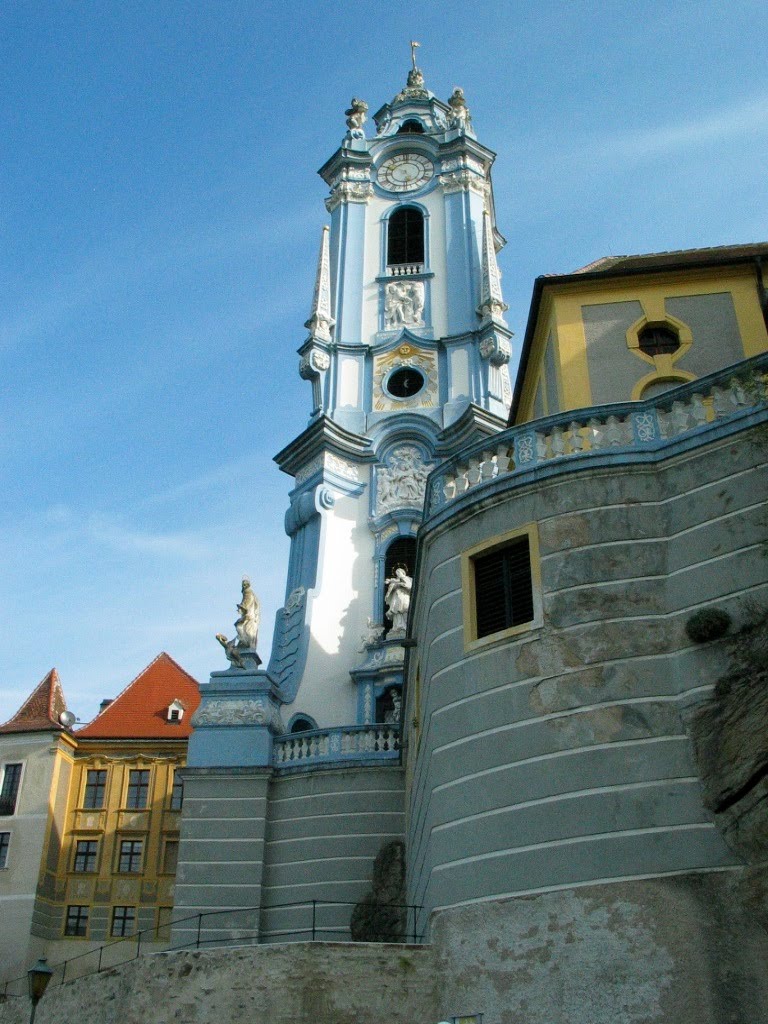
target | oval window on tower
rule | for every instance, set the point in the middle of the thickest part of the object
(405, 382)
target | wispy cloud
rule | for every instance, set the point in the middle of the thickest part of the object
(742, 120)
(186, 544)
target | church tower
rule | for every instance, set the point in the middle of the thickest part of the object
(407, 356)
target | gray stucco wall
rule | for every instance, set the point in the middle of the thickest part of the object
(255, 840)
(561, 757)
(716, 338)
(323, 830)
(613, 369)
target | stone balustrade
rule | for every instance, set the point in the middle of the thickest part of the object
(343, 743)
(628, 427)
(405, 269)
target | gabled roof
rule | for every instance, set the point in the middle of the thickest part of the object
(41, 710)
(141, 710)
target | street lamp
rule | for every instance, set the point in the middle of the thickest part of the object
(38, 978)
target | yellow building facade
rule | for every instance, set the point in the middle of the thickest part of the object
(627, 328)
(107, 857)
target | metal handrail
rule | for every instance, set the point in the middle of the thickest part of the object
(314, 929)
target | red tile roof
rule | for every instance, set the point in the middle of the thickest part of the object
(141, 710)
(41, 710)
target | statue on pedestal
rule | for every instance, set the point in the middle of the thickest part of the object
(398, 600)
(247, 626)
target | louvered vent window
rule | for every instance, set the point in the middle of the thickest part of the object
(503, 588)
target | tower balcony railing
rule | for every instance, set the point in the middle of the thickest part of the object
(375, 742)
(628, 431)
(405, 269)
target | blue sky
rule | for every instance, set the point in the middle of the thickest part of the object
(159, 221)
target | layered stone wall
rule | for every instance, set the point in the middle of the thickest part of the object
(306, 983)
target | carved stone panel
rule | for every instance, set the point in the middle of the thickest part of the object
(401, 482)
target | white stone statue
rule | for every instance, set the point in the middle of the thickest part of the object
(403, 304)
(392, 715)
(247, 626)
(459, 115)
(398, 599)
(356, 117)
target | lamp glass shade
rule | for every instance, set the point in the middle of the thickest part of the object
(38, 978)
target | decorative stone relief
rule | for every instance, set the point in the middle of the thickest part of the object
(309, 470)
(402, 481)
(464, 181)
(349, 192)
(258, 711)
(405, 355)
(313, 363)
(495, 349)
(403, 304)
(373, 635)
(342, 467)
(295, 600)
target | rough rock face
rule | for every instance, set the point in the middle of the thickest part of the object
(730, 737)
(380, 916)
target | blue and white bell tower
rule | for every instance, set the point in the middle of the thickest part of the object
(407, 356)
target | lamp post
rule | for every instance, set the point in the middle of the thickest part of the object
(38, 978)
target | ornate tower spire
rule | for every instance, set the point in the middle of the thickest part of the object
(491, 303)
(320, 320)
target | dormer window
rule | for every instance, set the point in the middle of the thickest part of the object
(175, 711)
(411, 127)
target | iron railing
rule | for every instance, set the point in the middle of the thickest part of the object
(313, 925)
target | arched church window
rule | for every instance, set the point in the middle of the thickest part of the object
(411, 127)
(658, 339)
(401, 553)
(405, 237)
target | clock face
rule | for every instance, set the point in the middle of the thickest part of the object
(405, 172)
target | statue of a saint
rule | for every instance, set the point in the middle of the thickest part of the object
(247, 625)
(393, 712)
(398, 599)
